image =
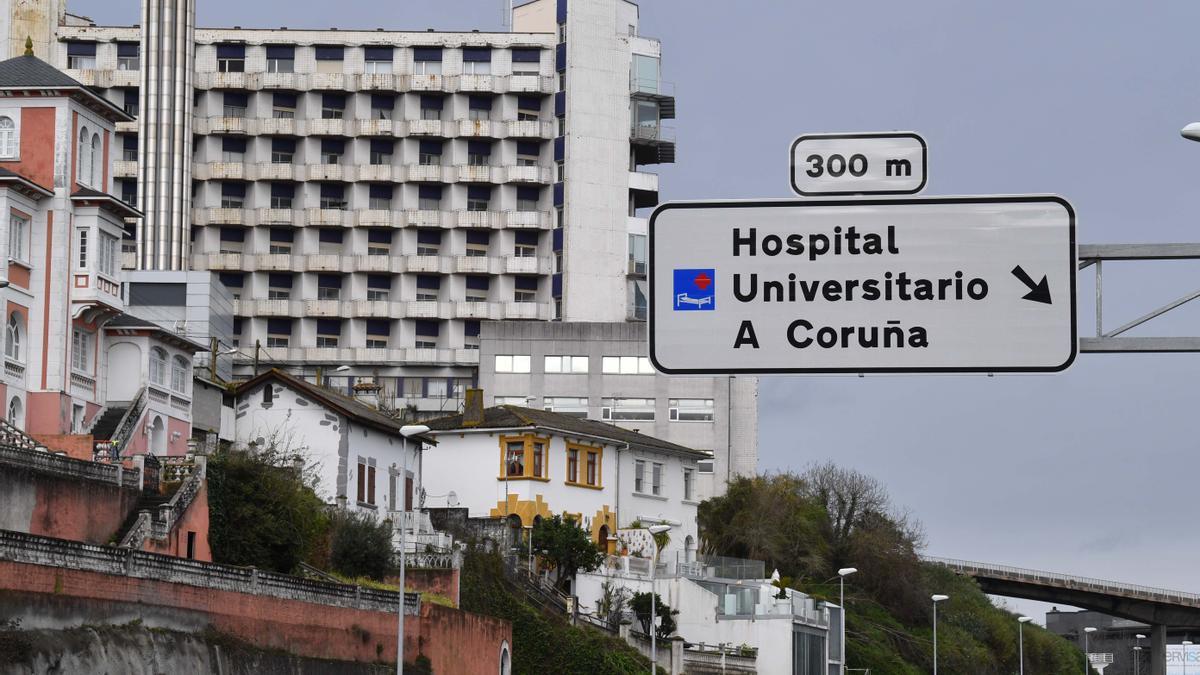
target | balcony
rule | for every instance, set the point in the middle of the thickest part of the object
(653, 143)
(479, 128)
(271, 171)
(220, 217)
(377, 309)
(528, 310)
(335, 217)
(480, 219)
(655, 90)
(373, 263)
(323, 127)
(527, 265)
(528, 219)
(329, 81)
(245, 307)
(475, 264)
(324, 262)
(643, 187)
(429, 357)
(468, 357)
(277, 126)
(479, 174)
(374, 218)
(478, 310)
(277, 216)
(125, 78)
(219, 171)
(543, 84)
(292, 81)
(531, 129)
(222, 81)
(378, 82)
(129, 127)
(380, 173)
(428, 83)
(124, 168)
(218, 261)
(376, 127)
(388, 356)
(427, 309)
(429, 173)
(330, 172)
(424, 218)
(477, 83)
(221, 125)
(322, 308)
(323, 355)
(428, 264)
(276, 262)
(427, 128)
(529, 174)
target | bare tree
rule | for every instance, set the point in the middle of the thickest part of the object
(849, 497)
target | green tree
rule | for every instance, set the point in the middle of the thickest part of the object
(566, 547)
(263, 511)
(662, 612)
(361, 546)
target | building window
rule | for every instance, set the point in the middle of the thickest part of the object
(637, 254)
(627, 409)
(656, 473)
(81, 55)
(15, 416)
(523, 457)
(689, 481)
(626, 365)
(572, 465)
(427, 61)
(590, 457)
(81, 351)
(566, 364)
(128, 54)
(16, 330)
(691, 410)
(283, 106)
(8, 138)
(158, 366)
(512, 364)
(378, 288)
(82, 236)
(477, 60)
(639, 475)
(366, 481)
(179, 374)
(97, 162)
(378, 60)
(281, 59)
(592, 477)
(333, 106)
(108, 258)
(329, 58)
(231, 58)
(526, 61)
(283, 150)
(18, 238)
(572, 406)
(83, 171)
(479, 108)
(279, 333)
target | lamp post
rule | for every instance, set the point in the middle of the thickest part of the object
(1137, 653)
(936, 599)
(406, 431)
(1191, 131)
(1021, 621)
(654, 529)
(1087, 663)
(842, 574)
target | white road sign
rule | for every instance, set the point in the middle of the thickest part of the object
(884, 163)
(943, 284)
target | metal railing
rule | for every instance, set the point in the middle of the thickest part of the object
(1067, 581)
(124, 431)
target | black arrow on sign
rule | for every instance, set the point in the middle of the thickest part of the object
(1038, 292)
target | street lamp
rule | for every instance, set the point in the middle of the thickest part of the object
(1021, 621)
(654, 529)
(1137, 656)
(1087, 663)
(842, 574)
(1191, 131)
(407, 431)
(936, 599)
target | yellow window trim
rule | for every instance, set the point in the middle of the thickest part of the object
(581, 468)
(529, 440)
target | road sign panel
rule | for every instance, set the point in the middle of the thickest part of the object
(943, 284)
(885, 163)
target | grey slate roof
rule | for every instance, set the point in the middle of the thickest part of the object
(30, 71)
(512, 416)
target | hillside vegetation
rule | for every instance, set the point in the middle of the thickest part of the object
(808, 526)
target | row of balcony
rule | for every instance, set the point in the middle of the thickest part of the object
(316, 217)
(397, 264)
(406, 356)
(377, 173)
(291, 126)
(382, 82)
(393, 309)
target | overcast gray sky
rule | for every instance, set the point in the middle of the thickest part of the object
(1087, 472)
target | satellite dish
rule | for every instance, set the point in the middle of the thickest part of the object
(452, 498)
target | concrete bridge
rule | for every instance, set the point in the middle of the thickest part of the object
(1159, 607)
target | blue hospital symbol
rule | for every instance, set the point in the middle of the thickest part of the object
(695, 290)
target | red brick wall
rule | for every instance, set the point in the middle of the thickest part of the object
(76, 446)
(195, 519)
(442, 582)
(454, 641)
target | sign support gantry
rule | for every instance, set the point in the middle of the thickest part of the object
(1112, 341)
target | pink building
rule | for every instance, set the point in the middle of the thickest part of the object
(78, 372)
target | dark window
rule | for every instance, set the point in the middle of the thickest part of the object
(329, 52)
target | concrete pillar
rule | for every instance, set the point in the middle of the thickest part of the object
(1158, 650)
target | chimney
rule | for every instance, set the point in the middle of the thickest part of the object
(473, 408)
(367, 392)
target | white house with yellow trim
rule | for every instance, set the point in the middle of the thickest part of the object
(521, 464)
